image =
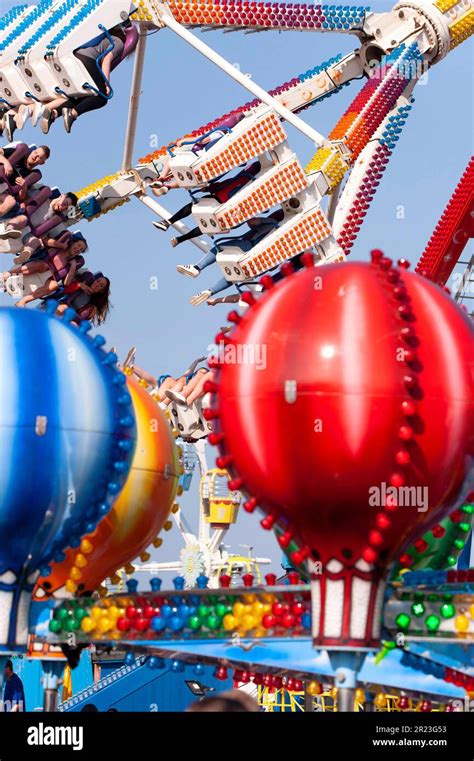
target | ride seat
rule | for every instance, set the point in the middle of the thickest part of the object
(18, 286)
(131, 40)
(190, 421)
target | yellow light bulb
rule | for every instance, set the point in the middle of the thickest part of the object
(104, 624)
(461, 623)
(80, 560)
(229, 622)
(238, 609)
(87, 624)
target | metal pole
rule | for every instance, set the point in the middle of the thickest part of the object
(50, 700)
(332, 204)
(50, 683)
(246, 82)
(135, 91)
(203, 527)
(345, 699)
(217, 538)
(164, 214)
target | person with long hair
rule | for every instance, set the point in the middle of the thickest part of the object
(89, 296)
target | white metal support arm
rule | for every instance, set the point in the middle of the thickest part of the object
(246, 82)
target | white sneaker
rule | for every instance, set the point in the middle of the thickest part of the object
(176, 397)
(9, 233)
(159, 191)
(23, 113)
(188, 269)
(162, 225)
(36, 113)
(200, 298)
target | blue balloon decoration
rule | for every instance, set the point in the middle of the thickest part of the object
(155, 663)
(178, 582)
(59, 424)
(176, 623)
(158, 624)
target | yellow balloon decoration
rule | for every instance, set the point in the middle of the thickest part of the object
(138, 515)
(314, 688)
(359, 696)
(380, 700)
(461, 623)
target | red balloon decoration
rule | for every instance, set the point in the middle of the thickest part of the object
(221, 673)
(360, 387)
(403, 703)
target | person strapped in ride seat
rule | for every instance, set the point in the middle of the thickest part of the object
(220, 190)
(98, 60)
(200, 145)
(18, 173)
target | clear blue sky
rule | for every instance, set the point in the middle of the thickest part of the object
(182, 91)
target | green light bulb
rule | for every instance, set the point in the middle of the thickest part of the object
(212, 621)
(447, 610)
(432, 623)
(194, 623)
(72, 624)
(402, 621)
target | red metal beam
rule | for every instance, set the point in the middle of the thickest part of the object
(452, 232)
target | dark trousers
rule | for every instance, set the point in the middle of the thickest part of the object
(182, 213)
(88, 102)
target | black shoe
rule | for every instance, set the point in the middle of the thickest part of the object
(68, 119)
(9, 126)
(47, 119)
(164, 225)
